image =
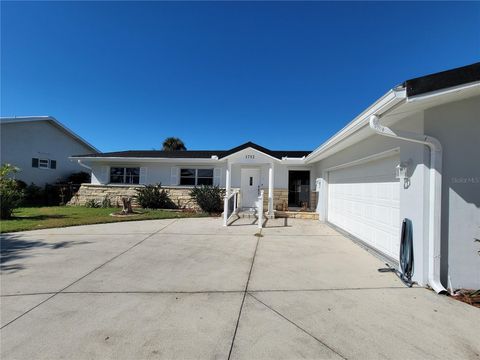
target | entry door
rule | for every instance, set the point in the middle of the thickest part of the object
(250, 186)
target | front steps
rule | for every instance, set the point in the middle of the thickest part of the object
(251, 213)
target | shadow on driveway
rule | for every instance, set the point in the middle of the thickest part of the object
(13, 247)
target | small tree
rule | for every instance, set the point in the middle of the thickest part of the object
(11, 194)
(173, 144)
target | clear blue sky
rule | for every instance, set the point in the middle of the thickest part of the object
(216, 74)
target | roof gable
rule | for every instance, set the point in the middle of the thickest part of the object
(52, 121)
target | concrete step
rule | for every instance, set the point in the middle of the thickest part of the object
(297, 214)
(247, 213)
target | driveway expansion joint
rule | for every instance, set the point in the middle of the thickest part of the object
(298, 326)
(243, 298)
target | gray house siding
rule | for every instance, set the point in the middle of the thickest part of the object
(457, 126)
(22, 141)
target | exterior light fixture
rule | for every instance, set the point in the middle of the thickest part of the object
(401, 170)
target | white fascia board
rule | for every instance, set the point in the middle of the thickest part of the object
(146, 160)
(460, 91)
(387, 101)
(293, 161)
(53, 121)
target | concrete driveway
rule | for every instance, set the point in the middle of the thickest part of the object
(191, 289)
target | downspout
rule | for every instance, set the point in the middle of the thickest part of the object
(85, 166)
(435, 195)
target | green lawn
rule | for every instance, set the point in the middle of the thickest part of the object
(32, 218)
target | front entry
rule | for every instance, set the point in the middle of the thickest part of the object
(250, 187)
(298, 188)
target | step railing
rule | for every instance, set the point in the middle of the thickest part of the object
(260, 209)
(230, 206)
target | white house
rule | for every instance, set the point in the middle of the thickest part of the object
(412, 154)
(40, 146)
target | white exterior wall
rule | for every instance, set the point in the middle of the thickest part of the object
(411, 197)
(457, 126)
(154, 172)
(22, 141)
(161, 172)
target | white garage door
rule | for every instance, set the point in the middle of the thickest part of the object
(364, 201)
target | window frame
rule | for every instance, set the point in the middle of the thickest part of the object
(195, 177)
(124, 175)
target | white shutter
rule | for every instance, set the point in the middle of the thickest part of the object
(217, 176)
(143, 175)
(104, 178)
(174, 176)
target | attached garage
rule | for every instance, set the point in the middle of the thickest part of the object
(364, 200)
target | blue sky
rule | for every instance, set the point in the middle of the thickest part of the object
(216, 74)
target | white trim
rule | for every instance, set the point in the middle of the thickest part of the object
(139, 159)
(454, 89)
(53, 121)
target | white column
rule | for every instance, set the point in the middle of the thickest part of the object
(228, 184)
(270, 190)
(227, 193)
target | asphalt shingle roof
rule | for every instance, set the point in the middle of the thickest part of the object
(196, 154)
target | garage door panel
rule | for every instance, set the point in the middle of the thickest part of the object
(364, 201)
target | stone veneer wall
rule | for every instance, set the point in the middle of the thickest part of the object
(180, 196)
(280, 196)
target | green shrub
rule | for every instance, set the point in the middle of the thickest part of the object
(92, 203)
(78, 178)
(11, 194)
(154, 197)
(209, 198)
(106, 202)
(34, 195)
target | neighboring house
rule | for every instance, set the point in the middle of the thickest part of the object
(424, 166)
(40, 146)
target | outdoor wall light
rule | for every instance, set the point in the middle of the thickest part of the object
(401, 171)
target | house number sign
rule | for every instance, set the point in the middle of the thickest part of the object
(249, 157)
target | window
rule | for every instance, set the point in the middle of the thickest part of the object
(204, 176)
(196, 177)
(44, 163)
(122, 175)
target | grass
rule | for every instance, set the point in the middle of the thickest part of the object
(33, 218)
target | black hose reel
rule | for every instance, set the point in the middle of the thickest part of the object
(406, 255)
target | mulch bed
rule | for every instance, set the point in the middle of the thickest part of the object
(471, 297)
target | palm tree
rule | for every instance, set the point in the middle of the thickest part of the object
(173, 144)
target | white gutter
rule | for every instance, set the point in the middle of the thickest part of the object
(118, 159)
(85, 166)
(435, 194)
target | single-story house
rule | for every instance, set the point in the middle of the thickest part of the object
(40, 146)
(413, 154)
